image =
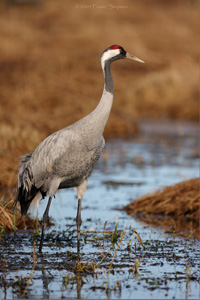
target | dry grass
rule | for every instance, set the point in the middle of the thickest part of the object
(180, 200)
(50, 74)
(179, 203)
(7, 218)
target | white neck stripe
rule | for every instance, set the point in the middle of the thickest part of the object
(108, 55)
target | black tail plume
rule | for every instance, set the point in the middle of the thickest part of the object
(26, 191)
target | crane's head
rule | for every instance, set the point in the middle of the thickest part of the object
(116, 52)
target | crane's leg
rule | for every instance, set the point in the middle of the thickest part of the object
(78, 224)
(44, 223)
(80, 190)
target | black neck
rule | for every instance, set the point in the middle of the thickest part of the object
(108, 80)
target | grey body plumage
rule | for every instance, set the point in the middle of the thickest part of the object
(67, 157)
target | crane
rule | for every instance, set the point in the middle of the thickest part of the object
(67, 157)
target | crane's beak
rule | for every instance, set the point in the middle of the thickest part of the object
(132, 57)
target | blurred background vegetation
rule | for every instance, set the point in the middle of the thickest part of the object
(50, 73)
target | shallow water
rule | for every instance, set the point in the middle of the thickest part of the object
(159, 156)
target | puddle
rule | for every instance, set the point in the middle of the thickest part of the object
(168, 263)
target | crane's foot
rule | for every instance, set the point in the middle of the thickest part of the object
(45, 221)
(78, 237)
(44, 225)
